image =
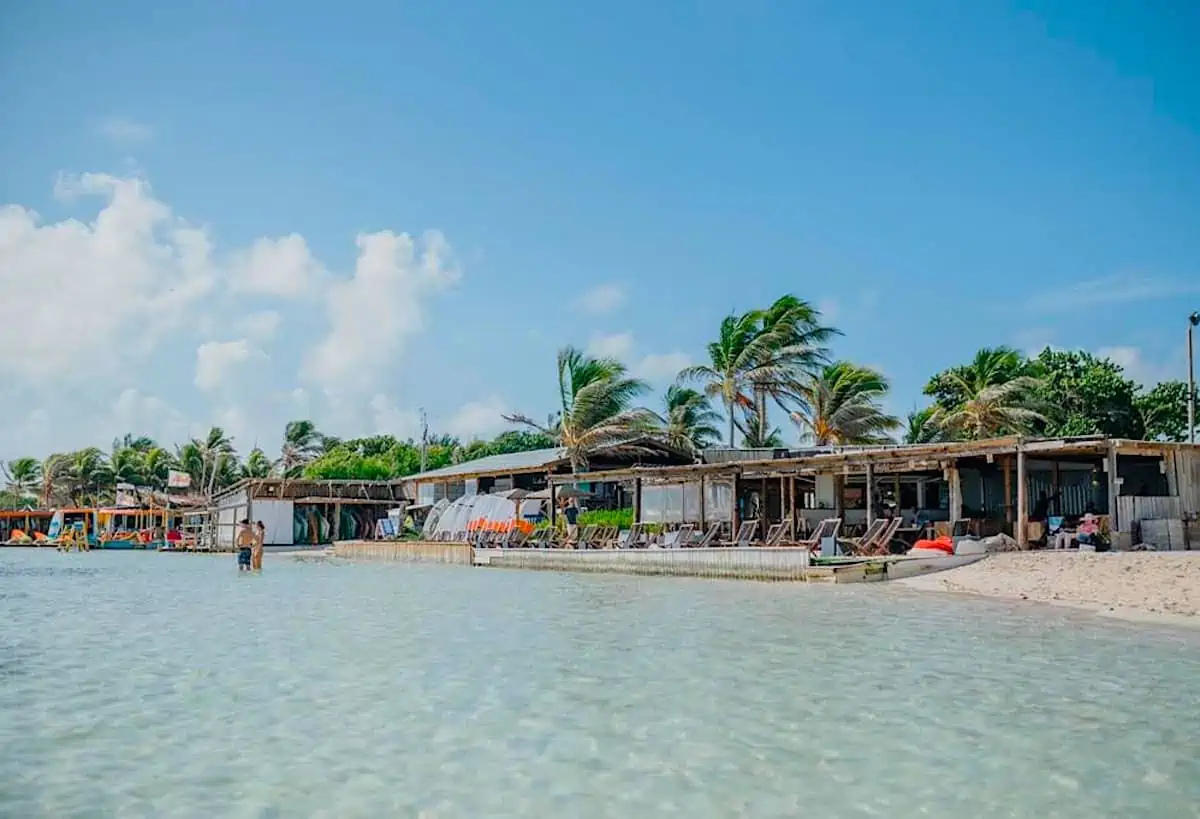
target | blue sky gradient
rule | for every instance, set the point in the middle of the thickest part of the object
(937, 176)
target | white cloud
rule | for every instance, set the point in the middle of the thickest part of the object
(216, 360)
(660, 367)
(614, 345)
(1142, 370)
(275, 267)
(1118, 289)
(830, 309)
(477, 419)
(124, 132)
(134, 266)
(260, 326)
(603, 298)
(373, 314)
(388, 419)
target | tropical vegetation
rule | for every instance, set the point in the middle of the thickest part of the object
(778, 357)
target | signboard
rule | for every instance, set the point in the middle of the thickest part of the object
(178, 480)
(385, 529)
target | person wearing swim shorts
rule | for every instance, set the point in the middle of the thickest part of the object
(245, 545)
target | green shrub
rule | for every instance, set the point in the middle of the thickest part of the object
(620, 518)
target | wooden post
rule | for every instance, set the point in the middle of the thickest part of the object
(952, 477)
(870, 494)
(764, 519)
(1055, 490)
(1008, 504)
(637, 500)
(337, 523)
(734, 517)
(553, 507)
(1022, 501)
(896, 493)
(702, 522)
(1114, 490)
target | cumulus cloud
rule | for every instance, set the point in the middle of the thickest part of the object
(125, 133)
(660, 367)
(613, 345)
(260, 326)
(1142, 369)
(373, 314)
(215, 360)
(275, 267)
(601, 299)
(477, 419)
(135, 265)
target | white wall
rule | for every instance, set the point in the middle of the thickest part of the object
(826, 496)
(231, 510)
(276, 515)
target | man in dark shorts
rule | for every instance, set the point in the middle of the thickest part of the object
(245, 545)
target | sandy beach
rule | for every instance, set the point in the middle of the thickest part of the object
(1161, 587)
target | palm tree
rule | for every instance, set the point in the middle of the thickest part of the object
(733, 365)
(302, 443)
(136, 442)
(755, 435)
(991, 366)
(257, 464)
(23, 476)
(128, 465)
(841, 406)
(995, 409)
(214, 450)
(798, 349)
(157, 464)
(921, 426)
(55, 470)
(596, 396)
(690, 423)
(87, 476)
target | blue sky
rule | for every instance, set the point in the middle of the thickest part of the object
(937, 176)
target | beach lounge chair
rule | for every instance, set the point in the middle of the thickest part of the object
(827, 528)
(862, 543)
(628, 538)
(539, 539)
(710, 537)
(680, 537)
(881, 541)
(778, 533)
(745, 533)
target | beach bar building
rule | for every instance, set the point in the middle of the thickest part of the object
(299, 512)
(531, 471)
(1143, 491)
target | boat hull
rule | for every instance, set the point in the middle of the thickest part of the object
(872, 570)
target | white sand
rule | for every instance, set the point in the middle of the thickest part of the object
(1162, 587)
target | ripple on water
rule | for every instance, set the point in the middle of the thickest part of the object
(167, 685)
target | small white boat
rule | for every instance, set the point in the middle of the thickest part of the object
(916, 565)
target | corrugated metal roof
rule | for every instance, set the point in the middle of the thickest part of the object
(511, 462)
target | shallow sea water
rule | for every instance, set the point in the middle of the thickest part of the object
(136, 684)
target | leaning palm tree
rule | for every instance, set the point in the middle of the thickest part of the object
(214, 450)
(55, 471)
(797, 349)
(157, 464)
(995, 409)
(734, 365)
(689, 424)
(842, 406)
(597, 413)
(302, 444)
(23, 476)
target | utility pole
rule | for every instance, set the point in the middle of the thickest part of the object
(424, 439)
(1193, 320)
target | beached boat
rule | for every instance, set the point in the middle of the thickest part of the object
(891, 567)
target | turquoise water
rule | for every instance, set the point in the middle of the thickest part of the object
(137, 684)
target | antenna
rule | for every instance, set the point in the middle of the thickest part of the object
(424, 439)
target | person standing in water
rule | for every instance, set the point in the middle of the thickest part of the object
(260, 537)
(245, 545)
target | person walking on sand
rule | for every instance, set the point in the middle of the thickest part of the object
(571, 513)
(245, 545)
(260, 537)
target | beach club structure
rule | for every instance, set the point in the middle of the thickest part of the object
(304, 513)
(1142, 491)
